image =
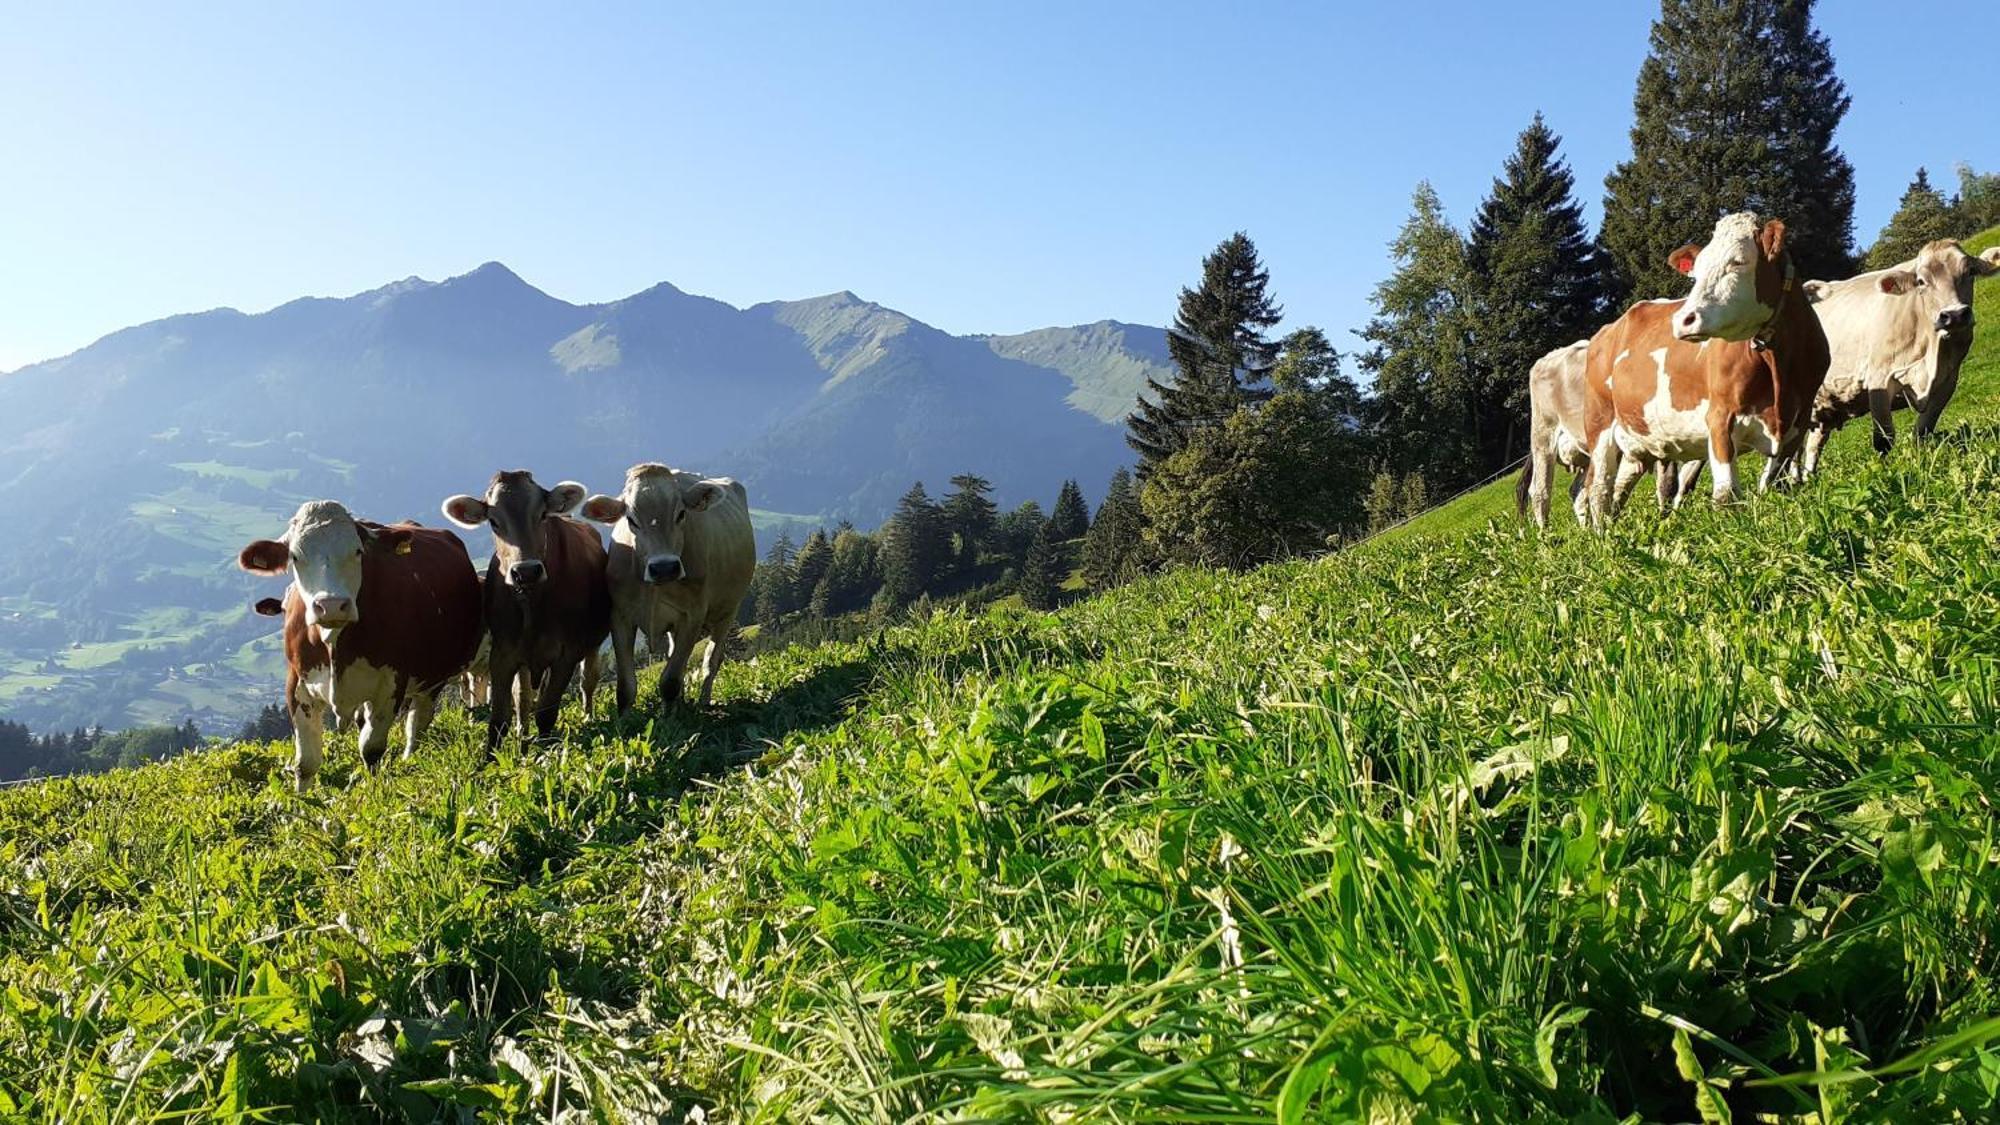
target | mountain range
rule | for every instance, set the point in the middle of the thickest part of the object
(131, 471)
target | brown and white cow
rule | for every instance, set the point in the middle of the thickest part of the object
(378, 620)
(682, 556)
(1559, 406)
(1898, 337)
(548, 605)
(1733, 366)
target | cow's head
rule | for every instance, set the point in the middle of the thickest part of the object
(517, 509)
(322, 550)
(655, 507)
(1739, 280)
(1940, 280)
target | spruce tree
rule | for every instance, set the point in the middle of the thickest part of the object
(1535, 281)
(1426, 390)
(968, 516)
(1735, 110)
(1221, 356)
(1111, 548)
(1924, 216)
(810, 565)
(914, 546)
(1015, 531)
(1070, 518)
(1040, 584)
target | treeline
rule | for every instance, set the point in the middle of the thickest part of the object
(25, 754)
(841, 581)
(1927, 214)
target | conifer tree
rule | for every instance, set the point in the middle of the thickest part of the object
(1039, 585)
(1070, 518)
(1535, 280)
(914, 546)
(968, 516)
(1221, 355)
(1735, 110)
(1924, 215)
(1111, 548)
(810, 565)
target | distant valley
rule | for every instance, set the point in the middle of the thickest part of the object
(132, 471)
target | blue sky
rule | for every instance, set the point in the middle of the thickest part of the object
(984, 167)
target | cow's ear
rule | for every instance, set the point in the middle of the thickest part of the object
(565, 496)
(266, 556)
(698, 498)
(268, 607)
(1987, 264)
(603, 509)
(1682, 260)
(1896, 282)
(468, 512)
(395, 539)
(1815, 291)
(1771, 240)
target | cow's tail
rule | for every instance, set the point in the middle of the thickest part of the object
(1521, 486)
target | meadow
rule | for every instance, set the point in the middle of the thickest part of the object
(1689, 821)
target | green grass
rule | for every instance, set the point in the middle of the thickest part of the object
(256, 478)
(1690, 820)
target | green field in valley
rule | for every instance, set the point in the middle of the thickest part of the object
(1691, 820)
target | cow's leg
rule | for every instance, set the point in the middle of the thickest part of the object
(1541, 469)
(422, 709)
(1690, 475)
(559, 675)
(376, 719)
(623, 661)
(673, 676)
(1579, 495)
(308, 737)
(719, 636)
(1666, 484)
(1882, 410)
(1722, 458)
(1630, 469)
(500, 716)
(590, 683)
(1815, 442)
(1604, 465)
(527, 691)
(1934, 404)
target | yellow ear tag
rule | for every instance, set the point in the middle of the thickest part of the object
(403, 548)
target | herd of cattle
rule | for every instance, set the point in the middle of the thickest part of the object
(379, 619)
(1751, 359)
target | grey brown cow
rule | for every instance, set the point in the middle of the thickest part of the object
(681, 559)
(548, 604)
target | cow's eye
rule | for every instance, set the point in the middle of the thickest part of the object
(1921, 283)
(680, 515)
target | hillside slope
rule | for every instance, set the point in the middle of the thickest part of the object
(1495, 826)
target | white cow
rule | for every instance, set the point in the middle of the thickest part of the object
(682, 556)
(1898, 337)
(1557, 400)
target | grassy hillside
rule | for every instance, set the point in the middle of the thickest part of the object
(1690, 820)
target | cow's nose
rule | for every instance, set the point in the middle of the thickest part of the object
(668, 569)
(1958, 316)
(1690, 321)
(330, 610)
(525, 573)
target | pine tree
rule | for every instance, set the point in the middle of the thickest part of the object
(814, 558)
(914, 547)
(1070, 518)
(968, 516)
(1015, 531)
(1382, 504)
(851, 575)
(1111, 548)
(1978, 203)
(1535, 280)
(1039, 584)
(1735, 110)
(1221, 356)
(1425, 386)
(1924, 216)
(773, 583)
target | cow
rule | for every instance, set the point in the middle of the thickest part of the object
(378, 619)
(1734, 365)
(1558, 405)
(682, 556)
(548, 603)
(1898, 337)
